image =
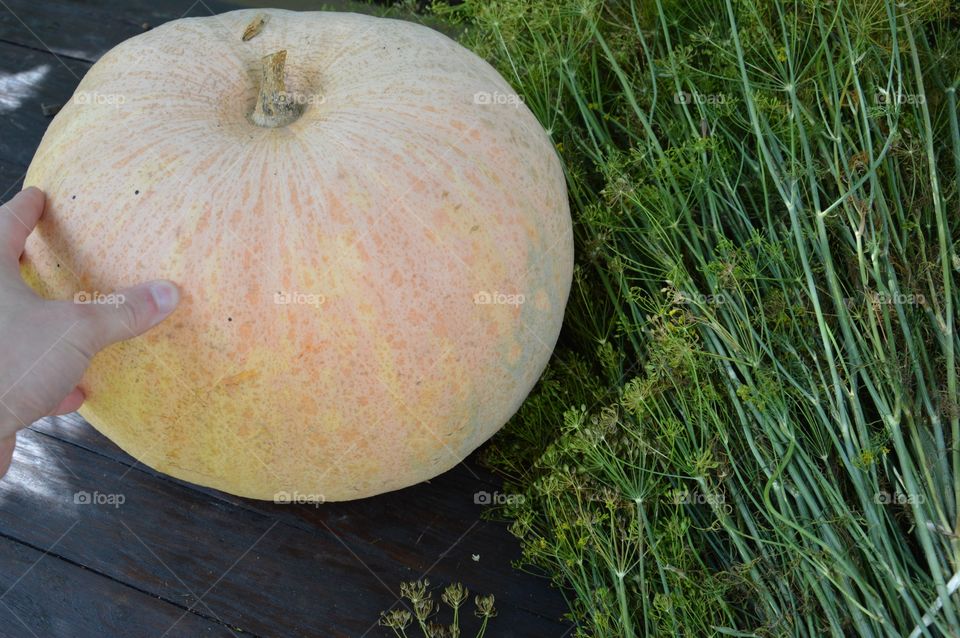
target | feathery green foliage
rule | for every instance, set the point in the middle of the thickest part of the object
(751, 424)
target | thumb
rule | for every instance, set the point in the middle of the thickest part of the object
(127, 313)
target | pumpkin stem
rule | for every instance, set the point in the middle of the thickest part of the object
(275, 107)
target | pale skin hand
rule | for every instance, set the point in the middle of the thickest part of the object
(45, 346)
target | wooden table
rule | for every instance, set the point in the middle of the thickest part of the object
(176, 560)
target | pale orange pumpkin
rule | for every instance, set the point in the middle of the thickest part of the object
(372, 240)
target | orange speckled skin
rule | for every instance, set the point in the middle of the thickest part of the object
(382, 212)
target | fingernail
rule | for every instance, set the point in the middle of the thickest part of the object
(165, 295)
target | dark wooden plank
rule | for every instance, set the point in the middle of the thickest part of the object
(70, 30)
(43, 595)
(11, 179)
(86, 30)
(412, 526)
(32, 78)
(244, 567)
(155, 13)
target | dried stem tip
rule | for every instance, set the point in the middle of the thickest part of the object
(275, 107)
(255, 27)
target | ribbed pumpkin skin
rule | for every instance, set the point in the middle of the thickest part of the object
(394, 200)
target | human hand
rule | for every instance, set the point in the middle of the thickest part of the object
(45, 346)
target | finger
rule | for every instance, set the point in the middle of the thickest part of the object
(70, 403)
(6, 453)
(132, 312)
(18, 218)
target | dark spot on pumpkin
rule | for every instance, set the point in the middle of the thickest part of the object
(73, 197)
(136, 192)
(229, 318)
(58, 265)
